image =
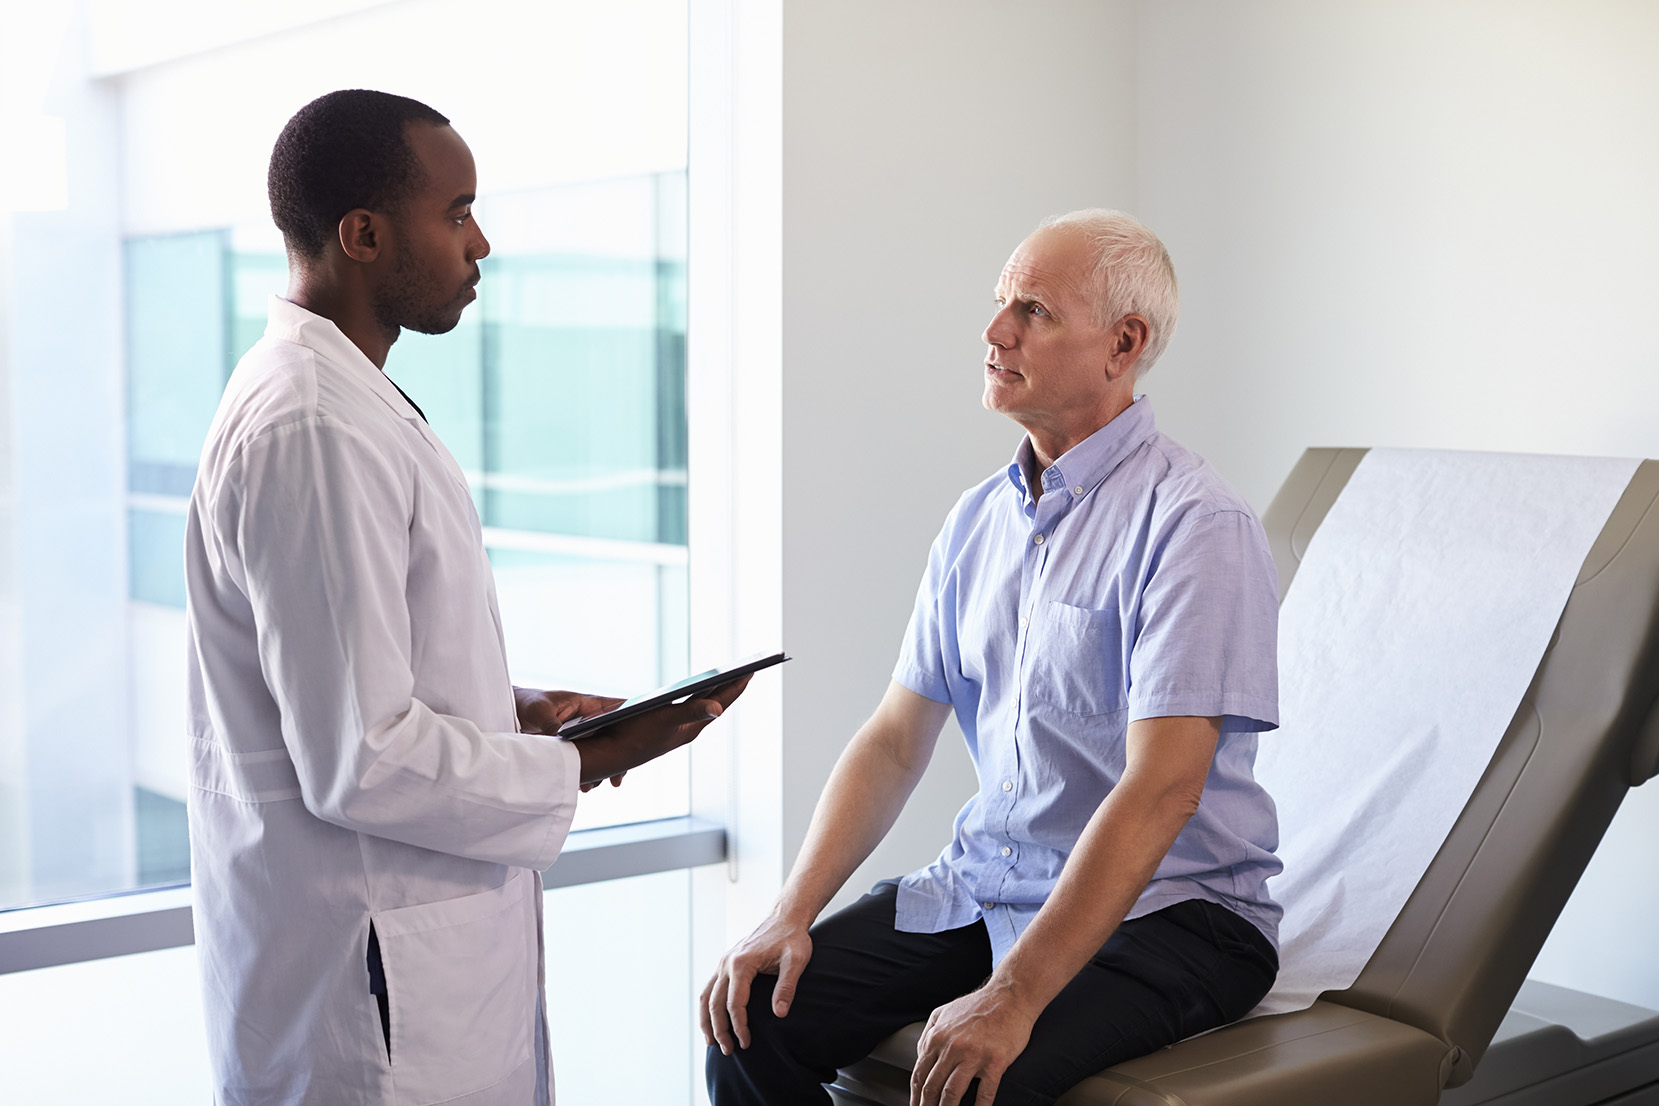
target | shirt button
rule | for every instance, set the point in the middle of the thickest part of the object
(1077, 490)
(987, 905)
(1024, 621)
(1006, 851)
(1008, 785)
(1038, 540)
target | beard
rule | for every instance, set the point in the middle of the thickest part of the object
(411, 299)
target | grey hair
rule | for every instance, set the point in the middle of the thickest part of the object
(1132, 274)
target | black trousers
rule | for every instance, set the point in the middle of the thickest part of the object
(1158, 979)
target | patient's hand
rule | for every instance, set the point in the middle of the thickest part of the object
(779, 945)
(974, 1037)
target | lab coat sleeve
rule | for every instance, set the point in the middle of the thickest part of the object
(322, 525)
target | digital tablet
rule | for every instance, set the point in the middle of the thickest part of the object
(673, 693)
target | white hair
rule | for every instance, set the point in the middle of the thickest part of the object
(1132, 274)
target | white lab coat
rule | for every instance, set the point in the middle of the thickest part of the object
(354, 754)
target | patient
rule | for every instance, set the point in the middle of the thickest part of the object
(1101, 617)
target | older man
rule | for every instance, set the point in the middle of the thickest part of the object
(1101, 617)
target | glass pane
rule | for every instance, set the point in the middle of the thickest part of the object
(606, 626)
(561, 396)
(619, 1007)
(155, 549)
(176, 354)
(126, 1030)
(619, 996)
(584, 366)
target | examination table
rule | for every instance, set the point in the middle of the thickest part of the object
(1444, 1001)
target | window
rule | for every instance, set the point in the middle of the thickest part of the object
(562, 395)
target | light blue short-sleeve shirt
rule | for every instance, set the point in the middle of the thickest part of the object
(1139, 585)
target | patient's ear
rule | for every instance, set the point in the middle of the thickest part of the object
(1129, 335)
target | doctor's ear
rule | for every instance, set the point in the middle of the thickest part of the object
(361, 235)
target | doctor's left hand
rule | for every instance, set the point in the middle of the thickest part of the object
(544, 712)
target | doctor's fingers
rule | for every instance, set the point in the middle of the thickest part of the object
(571, 704)
(726, 694)
(545, 711)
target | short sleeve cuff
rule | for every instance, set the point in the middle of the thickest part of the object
(1240, 712)
(926, 685)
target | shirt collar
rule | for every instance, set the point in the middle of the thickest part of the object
(289, 322)
(1083, 467)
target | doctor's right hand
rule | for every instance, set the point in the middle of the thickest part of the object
(779, 946)
(615, 749)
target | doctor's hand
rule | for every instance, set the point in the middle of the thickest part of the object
(613, 750)
(779, 946)
(544, 712)
(974, 1037)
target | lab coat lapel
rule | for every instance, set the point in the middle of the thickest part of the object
(295, 324)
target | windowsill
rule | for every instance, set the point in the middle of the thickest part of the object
(145, 921)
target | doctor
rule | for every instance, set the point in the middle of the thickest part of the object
(371, 801)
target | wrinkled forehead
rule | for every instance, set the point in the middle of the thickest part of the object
(1052, 260)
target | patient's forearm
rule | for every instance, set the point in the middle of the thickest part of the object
(870, 784)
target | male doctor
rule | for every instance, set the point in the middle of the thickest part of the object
(372, 800)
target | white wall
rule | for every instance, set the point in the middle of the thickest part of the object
(920, 144)
(1405, 224)
(1416, 224)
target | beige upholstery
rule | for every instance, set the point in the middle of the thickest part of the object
(1429, 1001)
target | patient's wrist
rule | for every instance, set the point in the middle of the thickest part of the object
(1015, 990)
(794, 911)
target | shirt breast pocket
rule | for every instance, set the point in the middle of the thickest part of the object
(1074, 660)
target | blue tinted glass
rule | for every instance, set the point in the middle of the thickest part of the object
(254, 279)
(155, 551)
(444, 374)
(176, 296)
(583, 361)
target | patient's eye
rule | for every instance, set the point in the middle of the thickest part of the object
(1038, 309)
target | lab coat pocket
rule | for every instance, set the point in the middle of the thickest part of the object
(1074, 660)
(461, 984)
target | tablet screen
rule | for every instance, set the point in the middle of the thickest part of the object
(673, 693)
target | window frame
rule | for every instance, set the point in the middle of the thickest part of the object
(152, 919)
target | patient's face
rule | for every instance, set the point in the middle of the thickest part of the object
(1046, 356)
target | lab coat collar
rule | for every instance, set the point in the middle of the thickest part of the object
(289, 322)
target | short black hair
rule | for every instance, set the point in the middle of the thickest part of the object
(342, 151)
